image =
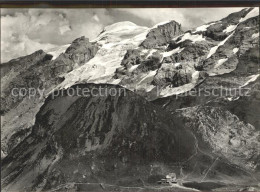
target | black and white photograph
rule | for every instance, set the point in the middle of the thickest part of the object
(130, 99)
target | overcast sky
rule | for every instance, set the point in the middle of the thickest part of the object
(24, 31)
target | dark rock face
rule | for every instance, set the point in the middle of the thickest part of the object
(145, 64)
(38, 67)
(168, 74)
(81, 50)
(191, 52)
(213, 116)
(218, 113)
(30, 79)
(244, 107)
(216, 31)
(77, 54)
(37, 74)
(240, 39)
(162, 34)
(234, 18)
(24, 72)
(152, 63)
(27, 61)
(216, 54)
(132, 57)
(225, 133)
(125, 128)
(243, 35)
(109, 139)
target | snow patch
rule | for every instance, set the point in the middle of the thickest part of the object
(115, 81)
(150, 74)
(175, 38)
(144, 51)
(133, 68)
(193, 38)
(230, 28)
(253, 13)
(252, 78)
(169, 53)
(151, 53)
(229, 98)
(214, 49)
(149, 88)
(235, 50)
(255, 35)
(220, 62)
(145, 82)
(203, 27)
(177, 64)
(195, 76)
(3, 155)
(232, 98)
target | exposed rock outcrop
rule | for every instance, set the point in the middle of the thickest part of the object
(169, 74)
(162, 34)
(225, 134)
(27, 80)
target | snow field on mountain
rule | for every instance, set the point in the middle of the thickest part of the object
(192, 37)
(114, 41)
(230, 28)
(203, 27)
(169, 53)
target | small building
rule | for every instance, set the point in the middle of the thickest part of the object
(170, 178)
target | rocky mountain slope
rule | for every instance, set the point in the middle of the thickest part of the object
(35, 75)
(173, 118)
(107, 139)
(87, 130)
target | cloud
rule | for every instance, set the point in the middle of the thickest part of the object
(24, 31)
(187, 17)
